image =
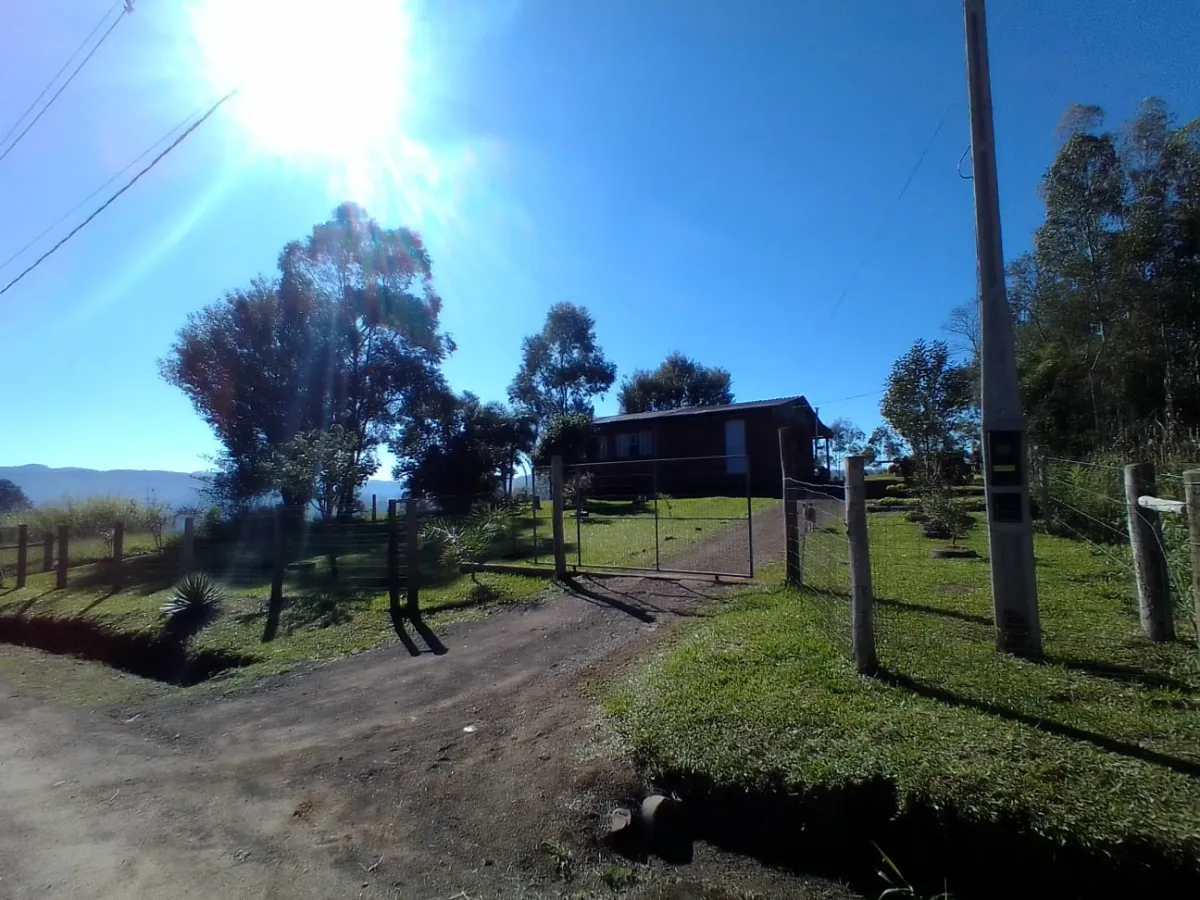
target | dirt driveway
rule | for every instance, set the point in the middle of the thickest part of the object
(482, 770)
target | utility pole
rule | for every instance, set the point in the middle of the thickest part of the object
(1005, 458)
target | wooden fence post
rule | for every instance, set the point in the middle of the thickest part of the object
(1149, 558)
(22, 553)
(393, 561)
(64, 558)
(862, 600)
(187, 549)
(793, 569)
(48, 551)
(374, 506)
(1044, 492)
(412, 556)
(556, 492)
(275, 604)
(118, 554)
(1191, 488)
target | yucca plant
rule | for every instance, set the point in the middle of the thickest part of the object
(194, 605)
(465, 541)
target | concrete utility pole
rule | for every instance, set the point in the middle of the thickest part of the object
(1005, 458)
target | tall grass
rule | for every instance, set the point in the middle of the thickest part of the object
(92, 517)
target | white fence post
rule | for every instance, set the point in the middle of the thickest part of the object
(1149, 558)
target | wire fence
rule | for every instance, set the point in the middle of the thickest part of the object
(1086, 501)
(820, 549)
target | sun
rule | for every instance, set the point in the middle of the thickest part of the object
(324, 79)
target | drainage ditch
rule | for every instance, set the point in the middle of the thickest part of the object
(146, 655)
(839, 833)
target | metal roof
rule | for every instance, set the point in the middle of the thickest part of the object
(704, 410)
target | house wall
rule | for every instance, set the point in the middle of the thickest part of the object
(677, 441)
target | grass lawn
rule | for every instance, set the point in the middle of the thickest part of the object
(1098, 747)
(618, 534)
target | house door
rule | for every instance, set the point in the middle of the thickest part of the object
(735, 447)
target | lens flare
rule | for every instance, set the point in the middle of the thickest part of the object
(324, 80)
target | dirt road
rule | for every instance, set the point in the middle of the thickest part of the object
(483, 770)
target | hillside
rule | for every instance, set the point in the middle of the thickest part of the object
(43, 484)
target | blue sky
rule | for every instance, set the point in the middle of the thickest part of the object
(703, 175)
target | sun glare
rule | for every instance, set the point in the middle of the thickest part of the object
(324, 80)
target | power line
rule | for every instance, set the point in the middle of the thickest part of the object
(851, 397)
(17, 124)
(75, 208)
(74, 231)
(70, 78)
(891, 209)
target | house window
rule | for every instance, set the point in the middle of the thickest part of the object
(602, 447)
(634, 446)
(735, 447)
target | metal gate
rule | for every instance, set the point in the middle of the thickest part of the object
(688, 516)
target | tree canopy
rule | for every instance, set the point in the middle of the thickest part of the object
(346, 335)
(12, 498)
(469, 455)
(1107, 303)
(562, 368)
(677, 382)
(929, 402)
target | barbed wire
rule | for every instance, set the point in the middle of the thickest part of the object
(1079, 512)
(1080, 462)
(1079, 487)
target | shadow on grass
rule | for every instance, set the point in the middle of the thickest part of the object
(935, 611)
(1104, 742)
(1127, 674)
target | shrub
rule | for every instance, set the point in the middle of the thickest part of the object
(465, 541)
(194, 605)
(944, 516)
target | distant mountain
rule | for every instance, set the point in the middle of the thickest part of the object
(45, 485)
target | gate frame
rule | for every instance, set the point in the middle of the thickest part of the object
(658, 568)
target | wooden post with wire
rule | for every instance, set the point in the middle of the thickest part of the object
(64, 558)
(118, 554)
(22, 553)
(556, 492)
(393, 560)
(1149, 557)
(862, 599)
(1191, 491)
(275, 601)
(793, 569)
(187, 549)
(412, 550)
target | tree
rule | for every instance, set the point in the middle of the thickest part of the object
(677, 382)
(847, 439)
(469, 456)
(570, 435)
(884, 445)
(12, 498)
(347, 335)
(325, 468)
(929, 404)
(562, 367)
(1107, 305)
